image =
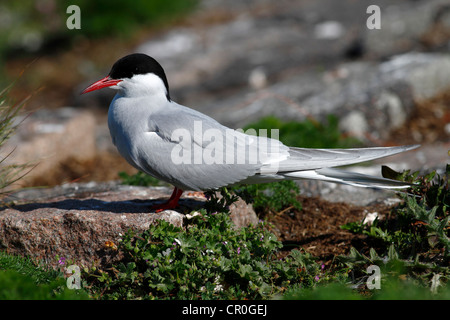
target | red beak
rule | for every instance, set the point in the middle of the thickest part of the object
(102, 83)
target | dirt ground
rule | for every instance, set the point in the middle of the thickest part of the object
(317, 228)
(429, 123)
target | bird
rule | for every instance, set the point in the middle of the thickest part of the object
(193, 151)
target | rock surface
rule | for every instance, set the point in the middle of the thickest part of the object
(81, 222)
(369, 98)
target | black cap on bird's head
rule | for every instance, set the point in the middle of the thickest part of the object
(129, 66)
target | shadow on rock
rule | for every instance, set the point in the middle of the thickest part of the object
(128, 206)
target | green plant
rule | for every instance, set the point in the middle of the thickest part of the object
(16, 286)
(23, 278)
(209, 259)
(392, 288)
(27, 267)
(306, 134)
(139, 179)
(430, 189)
(413, 241)
(420, 223)
(273, 197)
(420, 279)
(219, 201)
(329, 291)
(9, 173)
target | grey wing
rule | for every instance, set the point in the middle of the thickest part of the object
(192, 151)
(310, 159)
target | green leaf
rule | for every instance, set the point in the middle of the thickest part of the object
(392, 253)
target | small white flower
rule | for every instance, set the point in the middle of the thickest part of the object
(207, 251)
(370, 218)
(194, 214)
(218, 286)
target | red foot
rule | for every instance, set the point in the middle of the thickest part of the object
(171, 203)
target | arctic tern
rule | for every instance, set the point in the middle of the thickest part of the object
(192, 151)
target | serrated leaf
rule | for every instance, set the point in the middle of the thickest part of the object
(373, 254)
(392, 253)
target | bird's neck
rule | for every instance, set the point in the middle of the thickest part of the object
(149, 86)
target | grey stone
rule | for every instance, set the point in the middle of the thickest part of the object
(80, 222)
(402, 26)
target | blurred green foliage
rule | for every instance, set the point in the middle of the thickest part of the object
(21, 278)
(112, 17)
(27, 23)
(17, 286)
(30, 27)
(306, 134)
(139, 179)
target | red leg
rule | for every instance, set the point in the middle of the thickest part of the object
(171, 203)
